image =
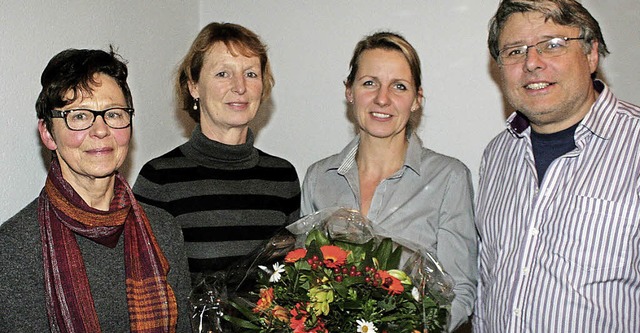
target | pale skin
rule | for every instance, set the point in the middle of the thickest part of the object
(89, 158)
(554, 93)
(230, 92)
(384, 96)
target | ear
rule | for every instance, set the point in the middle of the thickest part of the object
(45, 135)
(417, 103)
(193, 89)
(348, 94)
(593, 56)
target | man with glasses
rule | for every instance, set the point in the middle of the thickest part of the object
(558, 205)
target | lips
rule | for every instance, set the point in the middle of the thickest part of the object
(537, 85)
(241, 106)
(380, 115)
(100, 151)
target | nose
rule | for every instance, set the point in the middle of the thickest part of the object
(99, 128)
(382, 97)
(533, 60)
(239, 86)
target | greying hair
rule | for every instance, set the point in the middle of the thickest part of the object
(562, 12)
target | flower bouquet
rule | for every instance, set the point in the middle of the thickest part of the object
(341, 277)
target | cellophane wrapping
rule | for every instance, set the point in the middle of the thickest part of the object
(332, 271)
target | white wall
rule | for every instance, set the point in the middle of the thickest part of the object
(151, 35)
(311, 43)
(310, 46)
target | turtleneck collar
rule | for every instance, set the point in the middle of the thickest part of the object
(214, 154)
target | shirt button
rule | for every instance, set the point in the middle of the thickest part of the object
(525, 270)
(516, 312)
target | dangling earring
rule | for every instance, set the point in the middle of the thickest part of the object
(196, 103)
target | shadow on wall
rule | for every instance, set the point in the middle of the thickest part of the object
(45, 153)
(185, 121)
(494, 72)
(263, 116)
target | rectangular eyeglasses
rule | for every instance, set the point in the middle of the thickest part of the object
(548, 48)
(81, 119)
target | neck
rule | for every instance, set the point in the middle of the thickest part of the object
(230, 136)
(381, 156)
(96, 192)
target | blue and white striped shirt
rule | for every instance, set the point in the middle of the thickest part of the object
(563, 256)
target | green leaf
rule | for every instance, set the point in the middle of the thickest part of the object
(394, 258)
(241, 322)
(244, 310)
(383, 252)
(317, 236)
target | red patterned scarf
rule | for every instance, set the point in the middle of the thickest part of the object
(61, 214)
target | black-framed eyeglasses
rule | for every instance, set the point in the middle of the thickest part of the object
(81, 119)
(548, 48)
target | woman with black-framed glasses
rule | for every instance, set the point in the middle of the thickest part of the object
(86, 256)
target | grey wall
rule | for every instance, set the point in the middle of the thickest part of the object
(310, 47)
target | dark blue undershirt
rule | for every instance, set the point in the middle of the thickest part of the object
(548, 147)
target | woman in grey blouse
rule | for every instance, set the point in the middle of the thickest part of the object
(407, 190)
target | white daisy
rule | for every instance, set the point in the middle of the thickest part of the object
(276, 274)
(366, 326)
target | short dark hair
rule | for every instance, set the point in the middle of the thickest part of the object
(75, 70)
(562, 12)
(237, 39)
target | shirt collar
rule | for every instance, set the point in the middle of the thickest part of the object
(346, 159)
(603, 112)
